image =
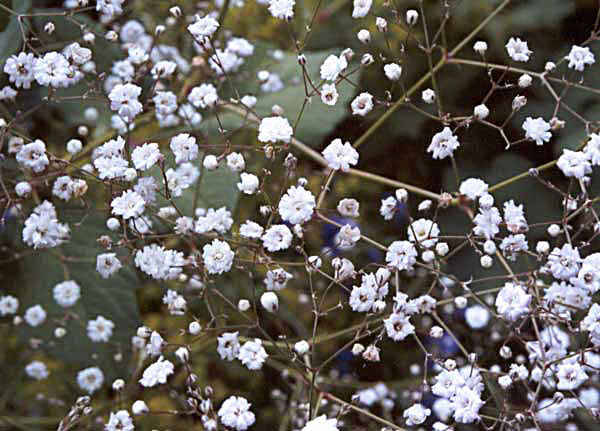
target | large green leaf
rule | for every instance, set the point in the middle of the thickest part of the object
(113, 298)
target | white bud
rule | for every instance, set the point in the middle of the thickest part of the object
(74, 146)
(381, 24)
(139, 408)
(525, 80)
(89, 38)
(505, 352)
(243, 305)
(301, 347)
(442, 249)
(83, 130)
(118, 385)
(425, 205)
(23, 189)
(436, 332)
(367, 59)
(428, 256)
(486, 261)
(412, 17)
(481, 112)
(378, 306)
(549, 66)
(505, 382)
(112, 224)
(460, 302)
(182, 354)
(357, 349)
(60, 332)
(269, 301)
(542, 247)
(210, 162)
(553, 230)
(489, 247)
(194, 328)
(480, 47)
(401, 195)
(159, 29)
(450, 364)
(144, 332)
(49, 28)
(364, 36)
(428, 96)
(175, 11)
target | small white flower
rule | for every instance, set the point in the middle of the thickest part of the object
(282, 9)
(235, 413)
(275, 129)
(392, 71)
(518, 50)
(218, 257)
(332, 67)
(329, 94)
(145, 156)
(443, 144)
(361, 8)
(537, 130)
(362, 104)
(248, 183)
(579, 57)
(90, 379)
(340, 155)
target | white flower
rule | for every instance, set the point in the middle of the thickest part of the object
(297, 205)
(110, 7)
(321, 423)
(570, 375)
(579, 57)
(217, 256)
(8, 305)
(90, 379)
(129, 204)
(119, 421)
(347, 236)
(275, 129)
(124, 100)
(388, 207)
(277, 279)
(282, 9)
(416, 414)
(203, 96)
(424, 232)
(165, 103)
(20, 69)
(251, 229)
(33, 156)
(512, 301)
(348, 207)
(37, 370)
(107, 264)
(228, 346)
(592, 149)
(401, 255)
(248, 183)
(235, 413)
(361, 8)
(100, 329)
(467, 403)
(340, 155)
(184, 148)
(443, 144)
(333, 66)
(537, 130)
(235, 162)
(473, 188)
(518, 50)
(155, 344)
(392, 71)
(564, 262)
(574, 164)
(42, 229)
(157, 373)
(362, 104)
(203, 28)
(145, 156)
(252, 353)
(35, 316)
(74, 146)
(66, 293)
(329, 94)
(481, 112)
(277, 237)
(398, 327)
(53, 70)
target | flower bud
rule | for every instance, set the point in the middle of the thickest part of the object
(139, 408)
(194, 328)
(243, 305)
(270, 301)
(412, 16)
(301, 347)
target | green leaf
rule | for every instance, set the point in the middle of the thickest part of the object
(114, 298)
(10, 38)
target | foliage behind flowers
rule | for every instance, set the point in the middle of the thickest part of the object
(314, 216)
